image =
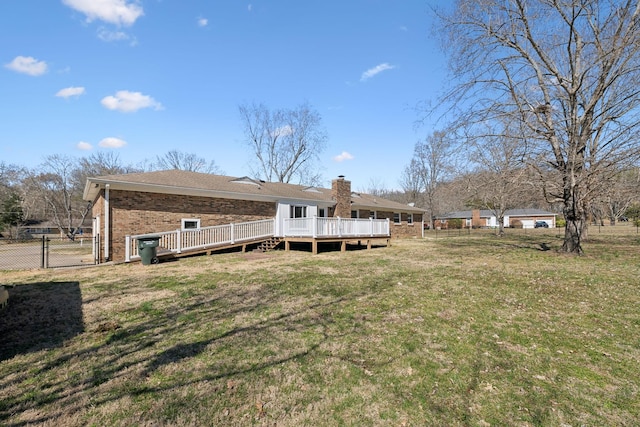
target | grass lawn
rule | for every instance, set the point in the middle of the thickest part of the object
(470, 330)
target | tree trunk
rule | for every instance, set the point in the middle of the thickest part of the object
(576, 224)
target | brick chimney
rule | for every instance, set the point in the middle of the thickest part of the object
(475, 218)
(341, 193)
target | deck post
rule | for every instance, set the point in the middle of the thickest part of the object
(178, 241)
(371, 226)
(287, 245)
(343, 246)
(339, 227)
(369, 244)
(314, 247)
(233, 240)
(314, 227)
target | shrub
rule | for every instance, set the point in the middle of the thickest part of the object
(455, 223)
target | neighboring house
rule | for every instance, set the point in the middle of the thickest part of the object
(520, 218)
(130, 205)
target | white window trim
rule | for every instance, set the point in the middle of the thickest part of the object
(410, 219)
(185, 220)
(399, 218)
(303, 208)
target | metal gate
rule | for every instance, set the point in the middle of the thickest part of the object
(48, 253)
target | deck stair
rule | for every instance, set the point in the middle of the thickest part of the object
(269, 244)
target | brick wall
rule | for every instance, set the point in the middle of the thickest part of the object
(140, 213)
(403, 229)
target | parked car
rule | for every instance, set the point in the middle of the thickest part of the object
(541, 224)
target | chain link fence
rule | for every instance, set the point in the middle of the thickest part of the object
(47, 253)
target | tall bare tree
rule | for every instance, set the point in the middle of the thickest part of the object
(56, 183)
(617, 195)
(501, 181)
(285, 143)
(411, 182)
(433, 161)
(175, 159)
(570, 70)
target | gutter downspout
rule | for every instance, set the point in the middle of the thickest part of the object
(106, 223)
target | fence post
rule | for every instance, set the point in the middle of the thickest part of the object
(42, 253)
(339, 227)
(178, 241)
(46, 252)
(233, 240)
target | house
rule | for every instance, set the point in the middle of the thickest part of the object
(520, 218)
(191, 210)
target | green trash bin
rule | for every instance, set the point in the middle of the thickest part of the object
(147, 249)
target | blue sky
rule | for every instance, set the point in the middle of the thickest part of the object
(145, 77)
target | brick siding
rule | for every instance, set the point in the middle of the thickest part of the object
(134, 213)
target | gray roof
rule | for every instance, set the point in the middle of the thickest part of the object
(486, 213)
(242, 188)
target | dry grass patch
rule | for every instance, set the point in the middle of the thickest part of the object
(472, 330)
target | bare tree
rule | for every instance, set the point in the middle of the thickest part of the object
(617, 195)
(501, 179)
(175, 159)
(97, 164)
(570, 71)
(56, 183)
(411, 182)
(14, 180)
(433, 161)
(286, 143)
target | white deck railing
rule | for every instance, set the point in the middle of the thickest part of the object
(335, 227)
(178, 241)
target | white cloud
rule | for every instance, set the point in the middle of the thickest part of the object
(107, 35)
(129, 102)
(118, 12)
(68, 92)
(112, 142)
(376, 70)
(27, 65)
(84, 146)
(342, 157)
(203, 22)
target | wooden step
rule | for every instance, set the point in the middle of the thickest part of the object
(269, 244)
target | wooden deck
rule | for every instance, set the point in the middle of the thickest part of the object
(313, 231)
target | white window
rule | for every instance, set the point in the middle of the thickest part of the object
(298, 212)
(409, 218)
(354, 214)
(396, 218)
(372, 215)
(321, 213)
(190, 223)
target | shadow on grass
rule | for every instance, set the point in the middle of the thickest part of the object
(40, 316)
(263, 341)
